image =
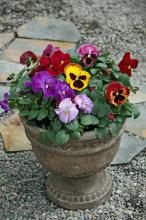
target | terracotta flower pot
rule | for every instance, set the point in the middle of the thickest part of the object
(77, 178)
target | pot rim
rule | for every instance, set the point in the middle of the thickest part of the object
(67, 148)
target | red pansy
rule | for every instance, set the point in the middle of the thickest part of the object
(56, 63)
(126, 64)
(24, 58)
(116, 93)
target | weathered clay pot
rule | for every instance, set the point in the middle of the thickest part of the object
(78, 179)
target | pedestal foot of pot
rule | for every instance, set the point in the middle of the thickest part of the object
(79, 193)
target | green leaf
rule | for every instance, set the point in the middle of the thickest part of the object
(51, 134)
(102, 123)
(124, 79)
(89, 120)
(102, 59)
(32, 114)
(95, 109)
(110, 63)
(24, 113)
(93, 81)
(113, 129)
(72, 125)
(51, 113)
(43, 113)
(99, 84)
(75, 135)
(43, 136)
(115, 73)
(104, 55)
(21, 81)
(101, 109)
(101, 65)
(75, 58)
(25, 101)
(101, 133)
(62, 137)
(93, 71)
(97, 96)
(13, 92)
(72, 52)
(136, 112)
(56, 124)
(105, 78)
(61, 77)
(85, 91)
(119, 119)
(45, 102)
(134, 89)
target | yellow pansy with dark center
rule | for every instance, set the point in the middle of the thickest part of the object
(76, 77)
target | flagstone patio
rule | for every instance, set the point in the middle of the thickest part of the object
(34, 36)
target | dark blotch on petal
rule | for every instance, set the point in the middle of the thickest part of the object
(78, 83)
(72, 76)
(89, 60)
(119, 98)
(120, 91)
(114, 93)
(82, 77)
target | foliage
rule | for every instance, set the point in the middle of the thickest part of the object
(46, 111)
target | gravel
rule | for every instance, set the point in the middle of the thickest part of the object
(116, 26)
(23, 196)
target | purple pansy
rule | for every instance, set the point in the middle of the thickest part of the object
(44, 82)
(63, 90)
(84, 103)
(67, 111)
(49, 50)
(50, 86)
(89, 53)
(4, 103)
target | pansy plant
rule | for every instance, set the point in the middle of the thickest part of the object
(68, 93)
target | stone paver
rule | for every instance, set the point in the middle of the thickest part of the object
(6, 68)
(5, 38)
(3, 89)
(19, 45)
(130, 146)
(49, 29)
(138, 126)
(13, 135)
(140, 96)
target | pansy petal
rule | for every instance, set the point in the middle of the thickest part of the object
(126, 57)
(28, 84)
(84, 103)
(6, 95)
(73, 68)
(134, 63)
(124, 68)
(44, 61)
(5, 106)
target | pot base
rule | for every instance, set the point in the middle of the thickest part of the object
(79, 193)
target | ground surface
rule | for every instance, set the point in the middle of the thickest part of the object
(113, 25)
